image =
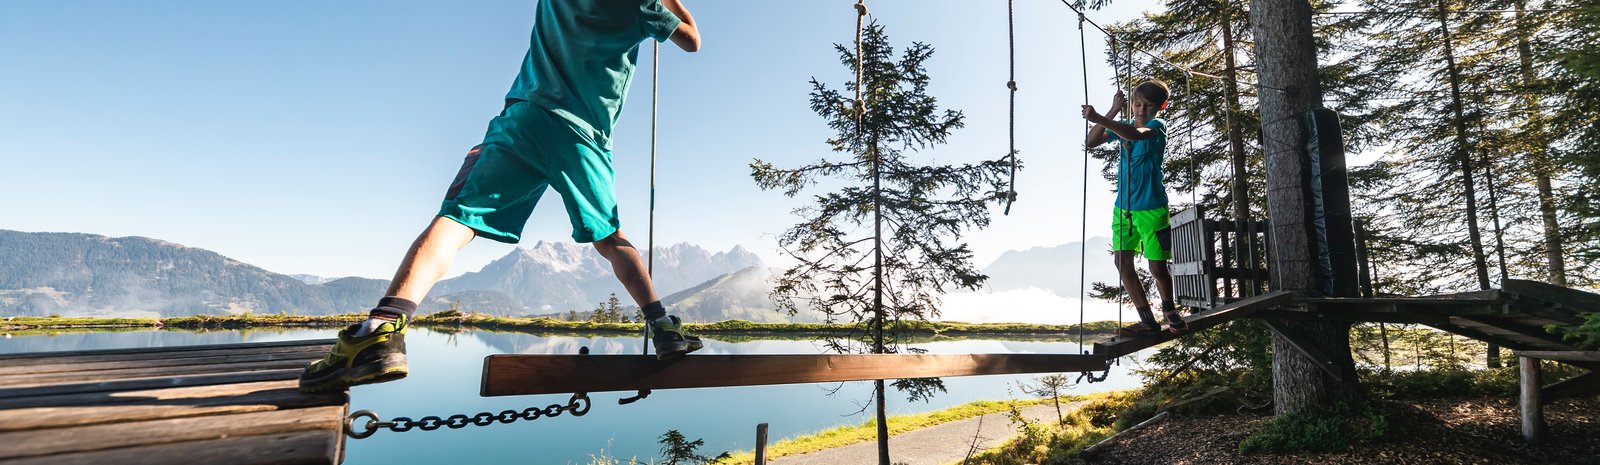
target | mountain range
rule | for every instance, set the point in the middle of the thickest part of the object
(85, 274)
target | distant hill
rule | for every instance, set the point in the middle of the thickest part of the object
(1054, 269)
(79, 274)
(741, 295)
(554, 277)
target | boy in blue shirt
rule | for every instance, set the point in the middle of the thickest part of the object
(1140, 221)
(555, 132)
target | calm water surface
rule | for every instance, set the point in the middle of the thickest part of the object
(446, 369)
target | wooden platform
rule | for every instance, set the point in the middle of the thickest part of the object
(232, 404)
(1120, 346)
(1513, 316)
(505, 375)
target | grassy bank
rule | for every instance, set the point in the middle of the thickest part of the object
(867, 431)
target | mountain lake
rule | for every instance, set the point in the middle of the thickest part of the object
(446, 369)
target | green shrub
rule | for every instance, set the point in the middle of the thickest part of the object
(1585, 336)
(1329, 430)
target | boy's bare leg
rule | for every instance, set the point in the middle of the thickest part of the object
(1130, 279)
(629, 267)
(1163, 278)
(429, 258)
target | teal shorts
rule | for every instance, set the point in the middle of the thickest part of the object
(1148, 231)
(526, 150)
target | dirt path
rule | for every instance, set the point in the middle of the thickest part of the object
(935, 445)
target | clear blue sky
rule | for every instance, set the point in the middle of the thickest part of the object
(318, 137)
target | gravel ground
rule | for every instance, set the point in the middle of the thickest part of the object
(1453, 431)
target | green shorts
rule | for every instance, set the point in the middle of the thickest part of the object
(527, 149)
(1149, 231)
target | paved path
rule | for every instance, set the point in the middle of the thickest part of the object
(935, 445)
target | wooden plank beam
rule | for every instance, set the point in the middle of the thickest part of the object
(1481, 336)
(17, 381)
(150, 383)
(1563, 355)
(299, 448)
(1292, 313)
(1308, 349)
(1525, 337)
(164, 403)
(507, 375)
(154, 352)
(1577, 386)
(52, 441)
(1117, 347)
(1568, 298)
(89, 364)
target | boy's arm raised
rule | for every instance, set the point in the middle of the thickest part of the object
(687, 37)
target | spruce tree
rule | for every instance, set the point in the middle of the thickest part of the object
(882, 241)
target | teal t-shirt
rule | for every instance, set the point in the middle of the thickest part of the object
(1139, 170)
(582, 56)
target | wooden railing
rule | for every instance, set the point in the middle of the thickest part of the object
(1217, 261)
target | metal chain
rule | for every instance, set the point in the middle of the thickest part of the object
(578, 405)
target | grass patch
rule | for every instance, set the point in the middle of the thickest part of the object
(868, 431)
(1048, 443)
(1329, 430)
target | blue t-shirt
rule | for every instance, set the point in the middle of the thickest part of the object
(1139, 170)
(582, 56)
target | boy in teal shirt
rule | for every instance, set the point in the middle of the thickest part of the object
(555, 132)
(1140, 220)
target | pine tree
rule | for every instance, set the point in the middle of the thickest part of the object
(882, 246)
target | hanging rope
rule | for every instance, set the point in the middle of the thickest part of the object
(1194, 193)
(1083, 220)
(650, 241)
(1011, 83)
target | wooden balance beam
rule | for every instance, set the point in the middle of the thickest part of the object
(510, 375)
(1120, 346)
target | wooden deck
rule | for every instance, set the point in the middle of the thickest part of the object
(233, 404)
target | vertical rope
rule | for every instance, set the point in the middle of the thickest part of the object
(1011, 83)
(1083, 219)
(650, 244)
(655, 77)
(1194, 194)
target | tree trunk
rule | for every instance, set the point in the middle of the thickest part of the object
(1464, 159)
(1541, 163)
(1287, 59)
(1241, 189)
(883, 426)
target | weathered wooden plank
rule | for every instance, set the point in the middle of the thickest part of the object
(143, 395)
(150, 383)
(1309, 349)
(155, 352)
(1474, 334)
(166, 403)
(1563, 355)
(1291, 313)
(1526, 337)
(41, 442)
(1570, 298)
(298, 448)
(18, 381)
(505, 375)
(307, 353)
(1117, 347)
(1582, 385)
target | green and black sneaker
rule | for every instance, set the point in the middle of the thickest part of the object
(378, 357)
(669, 339)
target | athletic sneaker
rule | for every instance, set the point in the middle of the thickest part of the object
(669, 339)
(377, 357)
(1175, 323)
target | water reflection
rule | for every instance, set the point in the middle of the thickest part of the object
(446, 369)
